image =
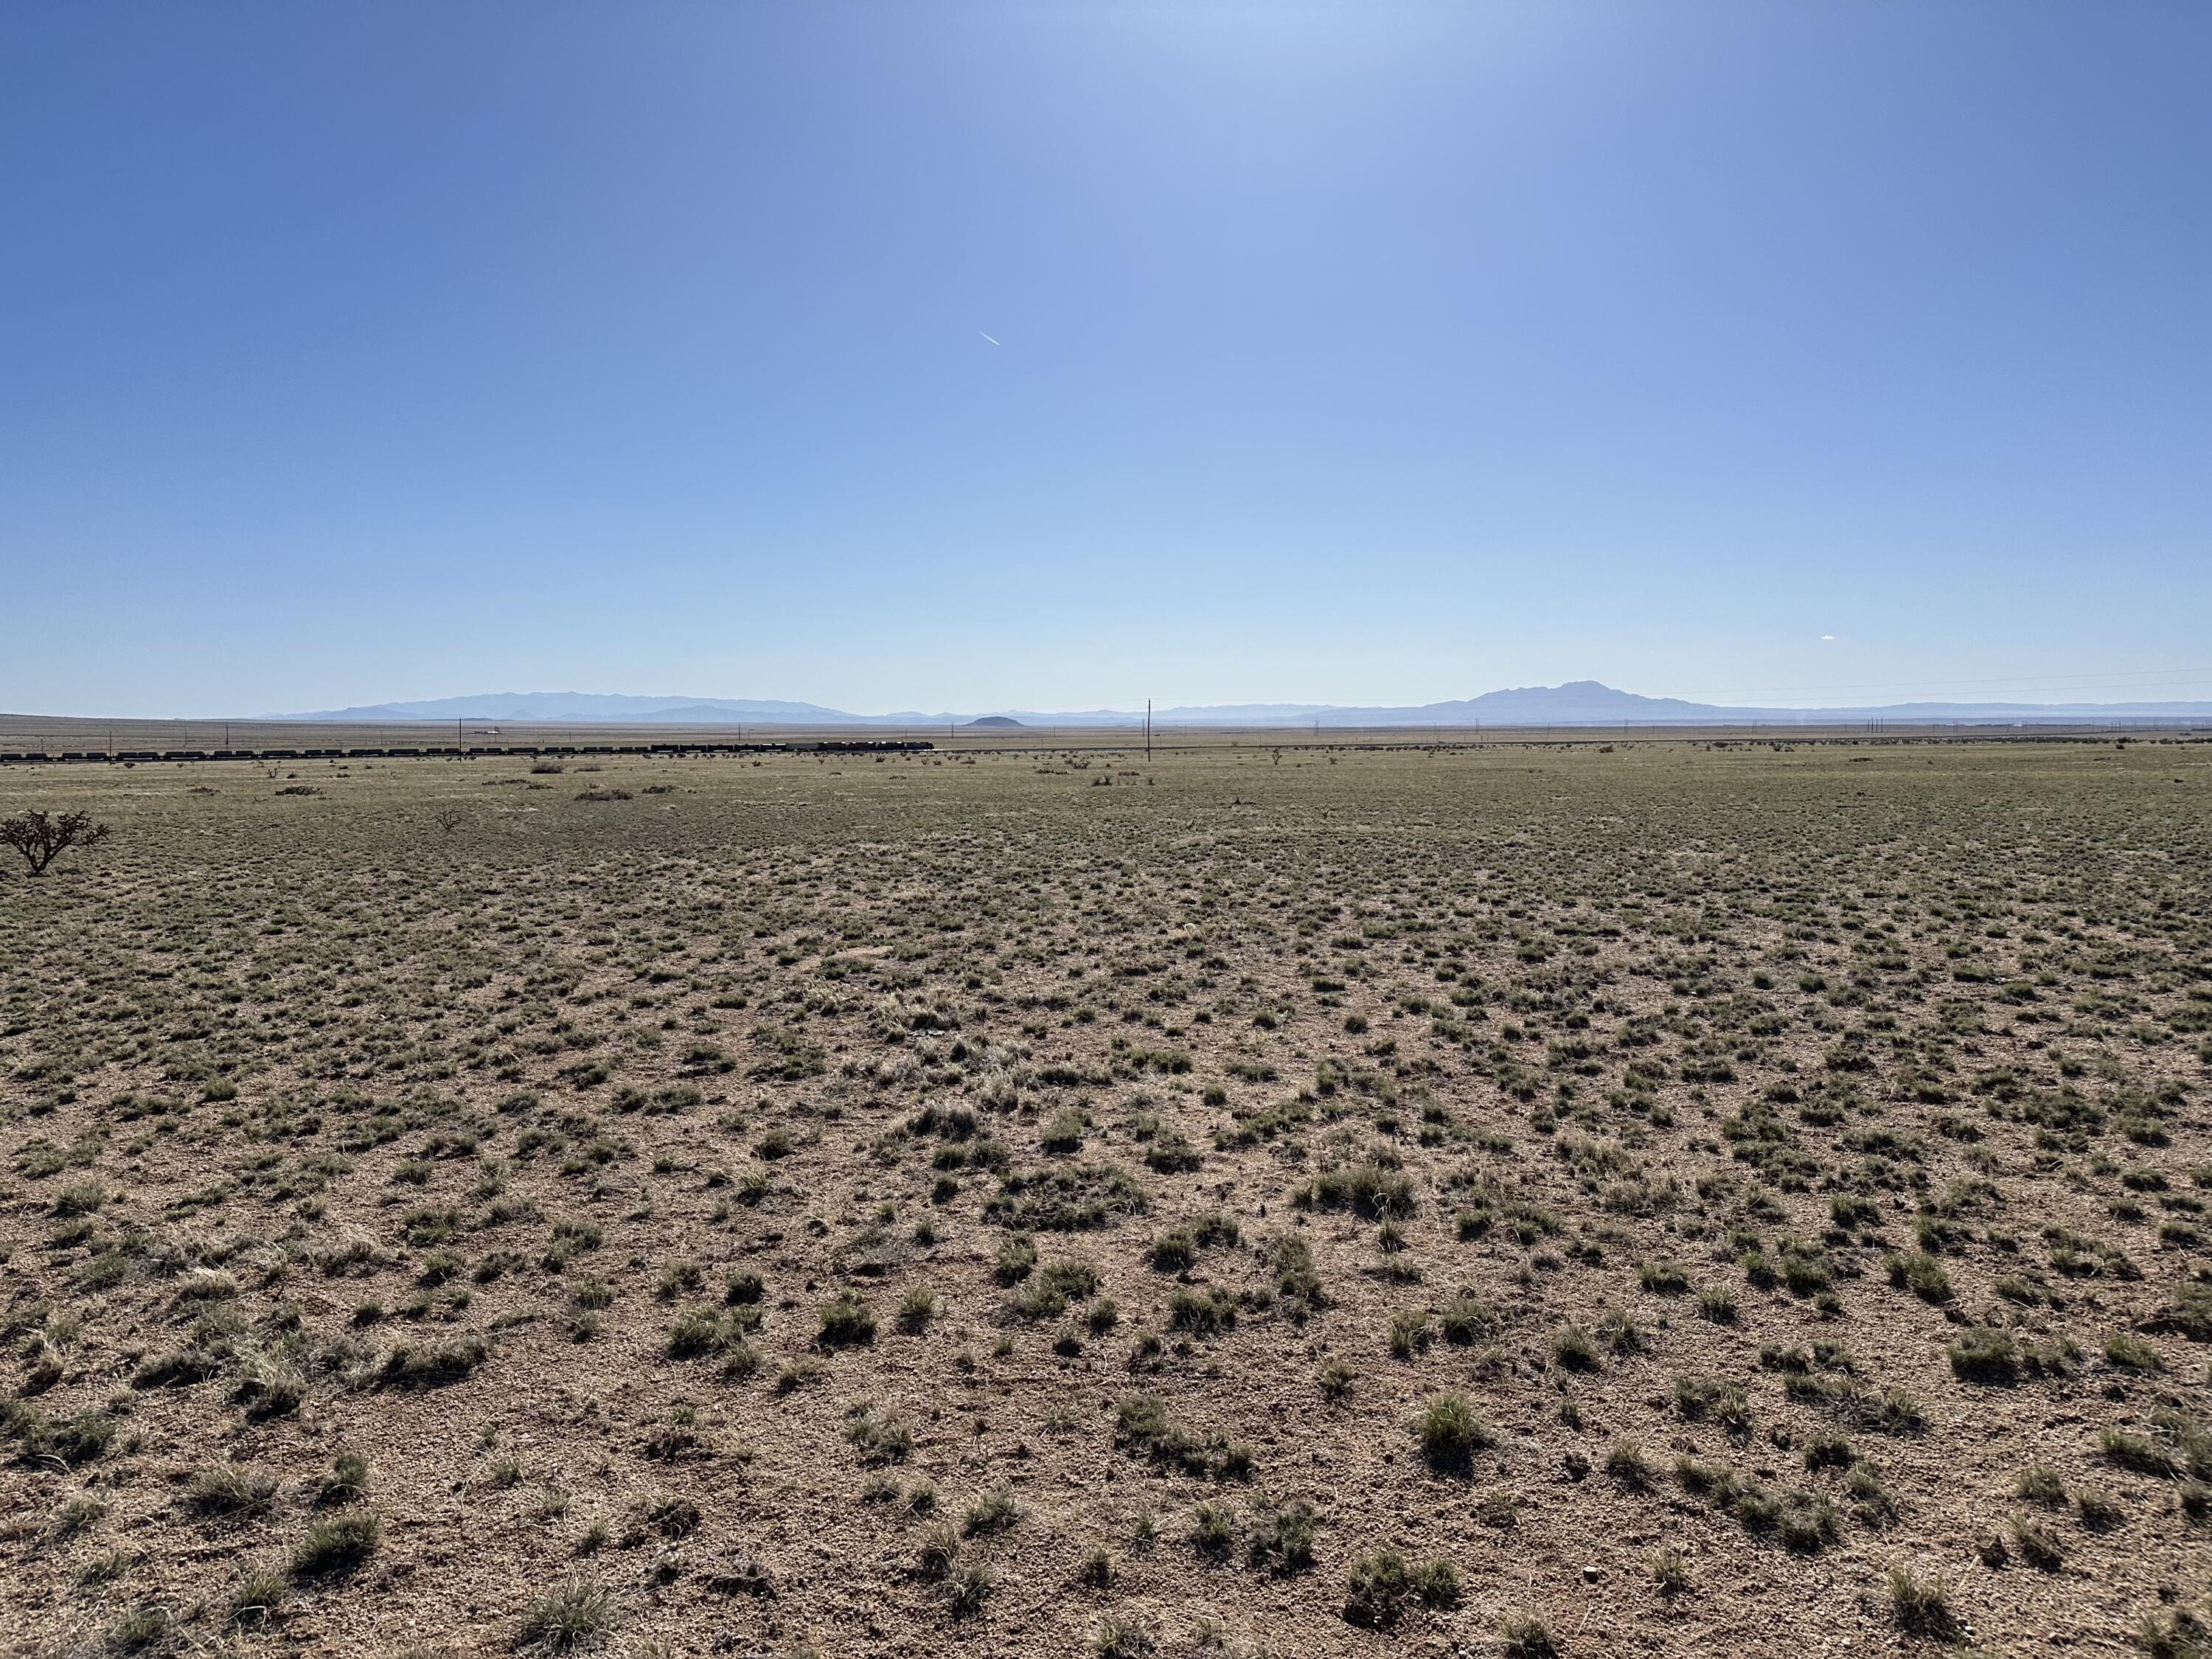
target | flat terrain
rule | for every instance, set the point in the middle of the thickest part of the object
(1744, 1199)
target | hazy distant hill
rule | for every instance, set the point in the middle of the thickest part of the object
(580, 706)
(1579, 702)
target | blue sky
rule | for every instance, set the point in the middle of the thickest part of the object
(1373, 354)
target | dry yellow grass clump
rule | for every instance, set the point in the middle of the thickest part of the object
(1683, 1198)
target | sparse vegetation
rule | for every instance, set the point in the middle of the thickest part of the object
(1793, 1155)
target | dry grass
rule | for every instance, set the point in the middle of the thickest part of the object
(1299, 1204)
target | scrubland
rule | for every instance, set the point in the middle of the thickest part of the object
(1581, 1200)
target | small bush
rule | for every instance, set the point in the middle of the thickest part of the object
(1282, 1542)
(2177, 1634)
(257, 1595)
(1213, 1531)
(939, 1546)
(2036, 1544)
(878, 1438)
(698, 1331)
(1451, 1434)
(1987, 1356)
(2130, 1352)
(1922, 1274)
(1017, 1256)
(1123, 1638)
(1922, 1607)
(340, 1545)
(1380, 1590)
(995, 1511)
(432, 1365)
(1576, 1349)
(1529, 1639)
(847, 1323)
(1435, 1585)
(1626, 1463)
(570, 1615)
(966, 1588)
(139, 1630)
(230, 1489)
(918, 1308)
(346, 1482)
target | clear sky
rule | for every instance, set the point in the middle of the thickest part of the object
(1377, 353)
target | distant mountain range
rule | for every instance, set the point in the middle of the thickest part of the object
(1579, 702)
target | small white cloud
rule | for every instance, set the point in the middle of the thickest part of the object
(1827, 636)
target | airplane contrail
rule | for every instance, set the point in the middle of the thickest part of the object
(986, 336)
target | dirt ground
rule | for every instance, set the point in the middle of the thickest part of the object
(1674, 1199)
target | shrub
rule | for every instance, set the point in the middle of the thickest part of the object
(1662, 1277)
(565, 1617)
(1367, 1189)
(139, 1630)
(42, 837)
(1986, 1356)
(1052, 1288)
(697, 1331)
(1529, 1639)
(1282, 1542)
(1123, 1639)
(1435, 1585)
(2130, 1352)
(995, 1511)
(878, 1438)
(2099, 1510)
(1380, 1588)
(340, 1545)
(1922, 1607)
(2137, 1452)
(1716, 1305)
(2036, 1544)
(1626, 1463)
(936, 1551)
(347, 1480)
(1576, 1349)
(230, 1489)
(2178, 1634)
(917, 1310)
(1450, 1433)
(1213, 1531)
(847, 1323)
(1463, 1319)
(1174, 1251)
(257, 1595)
(1016, 1257)
(1921, 1274)
(1202, 1313)
(1411, 1333)
(432, 1365)
(965, 1589)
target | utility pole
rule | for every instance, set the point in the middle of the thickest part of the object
(1148, 731)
